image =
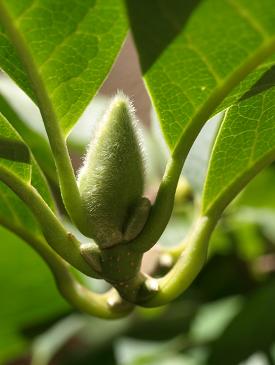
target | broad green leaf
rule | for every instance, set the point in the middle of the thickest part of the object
(15, 156)
(72, 45)
(244, 145)
(46, 346)
(28, 294)
(260, 79)
(264, 183)
(193, 53)
(14, 153)
(250, 331)
(12, 65)
(257, 209)
(14, 213)
(38, 144)
(212, 318)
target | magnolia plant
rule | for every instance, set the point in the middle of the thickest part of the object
(198, 58)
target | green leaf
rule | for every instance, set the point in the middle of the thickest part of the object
(12, 65)
(193, 54)
(14, 213)
(245, 144)
(257, 211)
(46, 346)
(264, 183)
(28, 294)
(212, 318)
(250, 331)
(72, 46)
(14, 153)
(37, 143)
(262, 78)
(15, 156)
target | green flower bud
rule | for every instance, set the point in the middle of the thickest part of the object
(111, 181)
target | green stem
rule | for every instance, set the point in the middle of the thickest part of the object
(163, 206)
(76, 294)
(68, 185)
(137, 290)
(194, 249)
(188, 265)
(64, 243)
(176, 251)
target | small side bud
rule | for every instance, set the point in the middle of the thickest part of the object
(117, 304)
(148, 289)
(111, 181)
(137, 219)
(91, 254)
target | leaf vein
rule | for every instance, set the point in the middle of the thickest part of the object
(244, 13)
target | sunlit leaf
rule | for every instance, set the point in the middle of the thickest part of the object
(193, 53)
(72, 46)
(245, 144)
(14, 153)
(28, 294)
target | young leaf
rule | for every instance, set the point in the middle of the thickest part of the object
(38, 144)
(14, 153)
(12, 65)
(260, 79)
(13, 212)
(194, 53)
(72, 46)
(252, 327)
(244, 145)
(28, 294)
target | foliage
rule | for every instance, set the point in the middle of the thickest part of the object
(198, 58)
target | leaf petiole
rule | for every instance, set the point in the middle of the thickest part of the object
(188, 265)
(64, 243)
(108, 305)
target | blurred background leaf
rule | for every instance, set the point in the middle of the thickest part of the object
(29, 298)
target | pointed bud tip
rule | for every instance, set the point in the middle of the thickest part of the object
(121, 101)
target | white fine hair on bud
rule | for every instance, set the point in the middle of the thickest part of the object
(111, 180)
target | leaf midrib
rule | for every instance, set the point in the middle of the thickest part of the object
(218, 205)
(68, 185)
(245, 14)
(196, 122)
(251, 169)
